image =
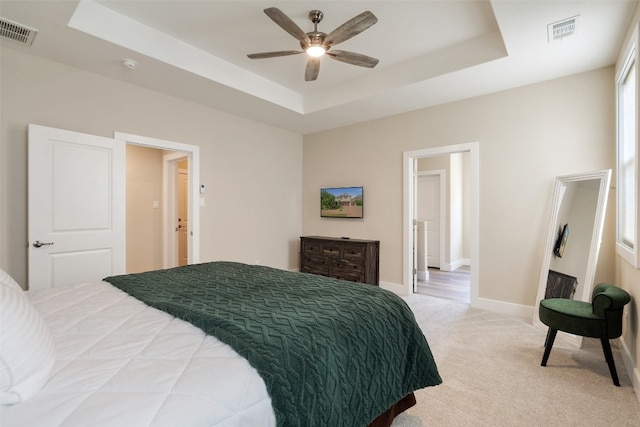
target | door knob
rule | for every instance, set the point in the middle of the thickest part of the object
(38, 243)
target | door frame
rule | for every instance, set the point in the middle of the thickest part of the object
(192, 153)
(408, 165)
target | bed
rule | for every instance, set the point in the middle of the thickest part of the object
(212, 344)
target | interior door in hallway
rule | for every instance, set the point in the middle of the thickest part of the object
(429, 211)
(76, 225)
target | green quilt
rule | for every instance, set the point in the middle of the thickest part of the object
(331, 353)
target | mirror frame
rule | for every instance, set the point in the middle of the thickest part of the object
(603, 192)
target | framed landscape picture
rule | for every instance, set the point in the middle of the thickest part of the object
(341, 202)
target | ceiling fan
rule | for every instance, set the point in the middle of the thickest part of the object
(316, 43)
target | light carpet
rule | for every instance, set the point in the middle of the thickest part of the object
(490, 367)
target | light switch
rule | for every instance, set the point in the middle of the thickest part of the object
(155, 204)
(201, 201)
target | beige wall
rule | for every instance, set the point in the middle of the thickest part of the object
(457, 203)
(527, 136)
(252, 172)
(144, 222)
(628, 277)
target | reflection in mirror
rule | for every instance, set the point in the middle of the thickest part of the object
(573, 239)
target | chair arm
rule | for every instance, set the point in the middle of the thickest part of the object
(608, 297)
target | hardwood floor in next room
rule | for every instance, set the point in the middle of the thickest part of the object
(452, 285)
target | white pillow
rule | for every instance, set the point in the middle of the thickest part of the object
(27, 352)
(6, 280)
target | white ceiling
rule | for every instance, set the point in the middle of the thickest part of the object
(431, 52)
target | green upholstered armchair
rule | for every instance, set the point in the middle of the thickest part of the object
(602, 318)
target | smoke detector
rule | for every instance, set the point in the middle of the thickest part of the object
(129, 63)
(19, 33)
(559, 30)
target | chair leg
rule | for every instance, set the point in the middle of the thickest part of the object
(548, 343)
(606, 347)
(546, 340)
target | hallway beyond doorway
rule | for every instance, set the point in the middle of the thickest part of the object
(452, 285)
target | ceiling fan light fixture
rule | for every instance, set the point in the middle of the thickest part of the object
(317, 44)
(316, 51)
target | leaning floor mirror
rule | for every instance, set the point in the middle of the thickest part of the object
(573, 240)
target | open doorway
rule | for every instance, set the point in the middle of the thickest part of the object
(157, 208)
(172, 158)
(450, 243)
(442, 221)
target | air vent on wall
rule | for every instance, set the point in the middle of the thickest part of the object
(561, 29)
(22, 34)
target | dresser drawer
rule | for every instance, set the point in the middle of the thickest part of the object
(344, 264)
(315, 264)
(347, 270)
(347, 275)
(331, 250)
(354, 252)
(311, 248)
(315, 269)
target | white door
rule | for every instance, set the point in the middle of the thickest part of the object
(76, 207)
(429, 211)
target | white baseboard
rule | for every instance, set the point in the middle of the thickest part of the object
(629, 366)
(504, 307)
(482, 303)
(453, 266)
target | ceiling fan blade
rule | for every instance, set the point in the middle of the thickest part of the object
(312, 70)
(287, 24)
(352, 27)
(263, 55)
(353, 58)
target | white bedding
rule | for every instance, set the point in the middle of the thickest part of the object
(122, 363)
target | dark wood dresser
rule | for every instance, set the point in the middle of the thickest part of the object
(347, 259)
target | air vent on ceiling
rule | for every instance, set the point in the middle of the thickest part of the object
(22, 34)
(561, 29)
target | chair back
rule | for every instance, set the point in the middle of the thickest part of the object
(608, 303)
